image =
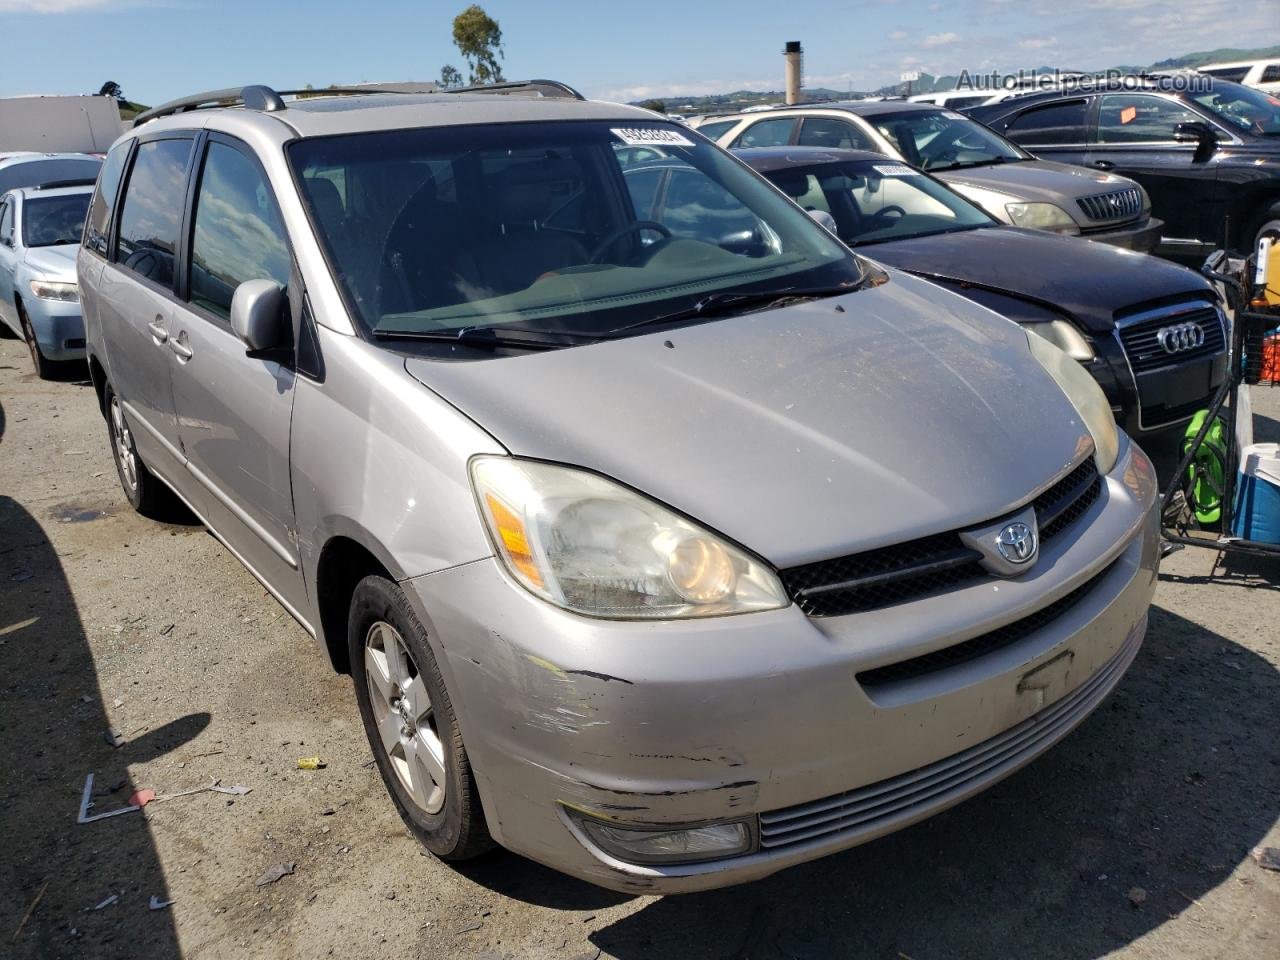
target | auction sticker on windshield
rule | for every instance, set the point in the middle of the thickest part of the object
(650, 137)
(895, 170)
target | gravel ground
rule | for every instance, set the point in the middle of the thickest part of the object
(112, 622)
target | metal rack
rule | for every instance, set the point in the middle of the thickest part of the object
(1252, 322)
(265, 99)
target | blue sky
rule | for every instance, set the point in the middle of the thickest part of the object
(159, 49)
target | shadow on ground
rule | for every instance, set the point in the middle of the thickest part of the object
(52, 731)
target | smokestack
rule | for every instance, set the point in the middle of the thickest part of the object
(795, 70)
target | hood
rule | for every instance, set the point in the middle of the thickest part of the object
(1036, 180)
(802, 432)
(53, 263)
(1087, 281)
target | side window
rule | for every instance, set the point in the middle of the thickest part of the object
(833, 133)
(643, 187)
(699, 208)
(152, 211)
(767, 133)
(717, 129)
(97, 226)
(1271, 74)
(1137, 118)
(6, 222)
(238, 235)
(1057, 123)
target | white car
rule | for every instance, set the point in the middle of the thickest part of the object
(1263, 74)
(955, 99)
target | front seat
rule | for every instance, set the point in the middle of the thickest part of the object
(425, 263)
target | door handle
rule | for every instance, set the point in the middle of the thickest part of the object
(158, 331)
(1104, 164)
(179, 346)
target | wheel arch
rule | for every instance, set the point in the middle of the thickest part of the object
(1249, 212)
(346, 558)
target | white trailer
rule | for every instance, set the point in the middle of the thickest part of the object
(78, 124)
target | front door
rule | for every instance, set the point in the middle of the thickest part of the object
(136, 302)
(1135, 138)
(233, 410)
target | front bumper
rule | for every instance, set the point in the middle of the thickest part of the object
(1142, 235)
(762, 716)
(58, 326)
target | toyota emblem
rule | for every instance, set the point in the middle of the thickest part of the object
(1018, 543)
(1180, 338)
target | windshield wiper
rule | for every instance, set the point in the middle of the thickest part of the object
(727, 300)
(483, 338)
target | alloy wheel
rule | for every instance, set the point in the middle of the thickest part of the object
(123, 441)
(404, 716)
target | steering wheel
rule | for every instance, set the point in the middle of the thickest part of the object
(890, 213)
(947, 155)
(634, 227)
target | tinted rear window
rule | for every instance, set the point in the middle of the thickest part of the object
(1052, 123)
(152, 210)
(36, 172)
(104, 199)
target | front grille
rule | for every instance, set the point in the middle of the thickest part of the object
(879, 807)
(906, 571)
(1140, 336)
(980, 646)
(1113, 206)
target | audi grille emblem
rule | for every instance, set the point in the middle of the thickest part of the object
(1017, 543)
(1180, 338)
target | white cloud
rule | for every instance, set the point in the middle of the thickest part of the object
(940, 40)
(1038, 43)
(897, 34)
(50, 6)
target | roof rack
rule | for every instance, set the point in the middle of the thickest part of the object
(264, 99)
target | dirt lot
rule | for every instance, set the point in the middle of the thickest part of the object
(110, 621)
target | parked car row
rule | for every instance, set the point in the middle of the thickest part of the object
(1010, 183)
(43, 201)
(1209, 158)
(669, 539)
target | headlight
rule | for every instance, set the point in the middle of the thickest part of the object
(594, 547)
(1085, 395)
(1041, 216)
(1063, 336)
(52, 290)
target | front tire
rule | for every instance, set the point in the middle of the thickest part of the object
(410, 723)
(45, 369)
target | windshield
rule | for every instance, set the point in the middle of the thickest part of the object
(873, 201)
(945, 140)
(47, 221)
(1242, 107)
(569, 226)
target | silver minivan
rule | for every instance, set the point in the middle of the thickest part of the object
(668, 553)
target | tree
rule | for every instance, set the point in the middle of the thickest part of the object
(657, 106)
(479, 39)
(450, 76)
(111, 89)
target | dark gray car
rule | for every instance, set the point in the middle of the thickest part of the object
(663, 555)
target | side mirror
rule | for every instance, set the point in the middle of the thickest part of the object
(1196, 132)
(823, 219)
(257, 315)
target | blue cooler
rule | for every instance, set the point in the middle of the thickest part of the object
(1256, 515)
